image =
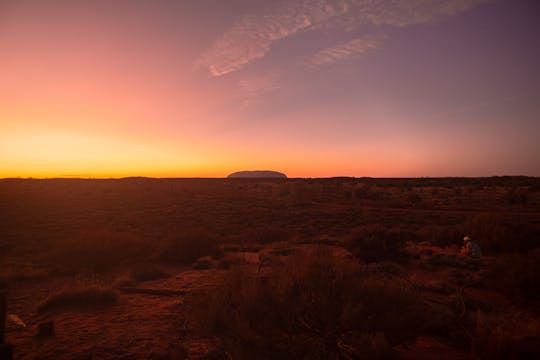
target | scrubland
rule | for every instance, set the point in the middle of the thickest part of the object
(341, 268)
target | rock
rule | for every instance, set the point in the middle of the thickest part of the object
(254, 174)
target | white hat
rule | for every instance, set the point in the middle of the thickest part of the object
(466, 238)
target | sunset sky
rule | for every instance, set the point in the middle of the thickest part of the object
(312, 88)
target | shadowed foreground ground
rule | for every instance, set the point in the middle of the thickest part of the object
(278, 268)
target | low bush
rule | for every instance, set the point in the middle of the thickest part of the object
(204, 263)
(271, 234)
(12, 274)
(100, 250)
(505, 336)
(147, 273)
(79, 297)
(441, 235)
(373, 243)
(186, 247)
(124, 281)
(516, 276)
(503, 233)
(316, 307)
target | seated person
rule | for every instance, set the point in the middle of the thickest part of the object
(470, 248)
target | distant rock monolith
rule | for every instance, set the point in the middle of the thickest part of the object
(257, 174)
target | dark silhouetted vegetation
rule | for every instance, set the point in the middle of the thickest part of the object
(347, 268)
(79, 297)
(317, 306)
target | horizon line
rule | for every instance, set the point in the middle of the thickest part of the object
(263, 178)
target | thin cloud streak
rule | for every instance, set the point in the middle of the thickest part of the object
(252, 36)
(350, 49)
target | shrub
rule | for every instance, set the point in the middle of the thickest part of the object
(79, 297)
(375, 243)
(203, 263)
(147, 273)
(186, 247)
(312, 307)
(441, 235)
(100, 250)
(505, 336)
(271, 234)
(516, 276)
(124, 281)
(503, 233)
(12, 274)
(224, 265)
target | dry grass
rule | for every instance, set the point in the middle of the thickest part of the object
(376, 243)
(517, 276)
(271, 234)
(187, 246)
(316, 306)
(503, 233)
(313, 307)
(505, 336)
(123, 281)
(100, 250)
(139, 273)
(79, 297)
(147, 272)
(16, 274)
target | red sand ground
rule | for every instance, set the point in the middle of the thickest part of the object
(160, 327)
(44, 220)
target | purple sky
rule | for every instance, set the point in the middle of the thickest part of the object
(307, 87)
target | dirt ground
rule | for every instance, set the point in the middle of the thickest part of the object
(71, 234)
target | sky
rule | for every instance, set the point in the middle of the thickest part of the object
(311, 88)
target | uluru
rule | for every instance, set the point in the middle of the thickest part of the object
(257, 174)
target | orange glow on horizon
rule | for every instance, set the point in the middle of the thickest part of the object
(48, 153)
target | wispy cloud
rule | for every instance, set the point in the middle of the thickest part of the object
(252, 89)
(252, 36)
(350, 49)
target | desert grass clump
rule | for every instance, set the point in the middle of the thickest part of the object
(140, 273)
(12, 274)
(124, 280)
(204, 263)
(505, 336)
(441, 235)
(503, 233)
(315, 306)
(516, 276)
(187, 246)
(270, 234)
(79, 297)
(147, 273)
(100, 250)
(374, 243)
